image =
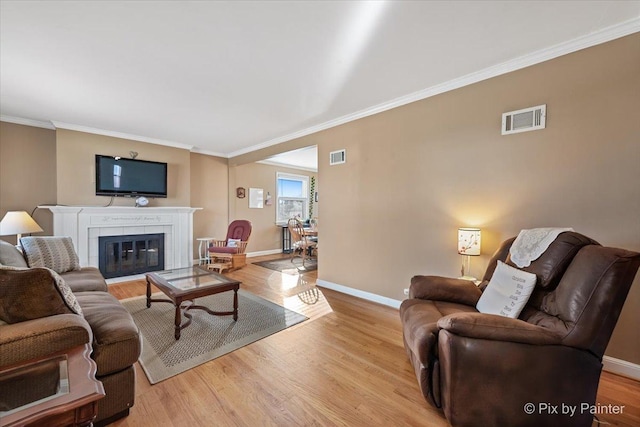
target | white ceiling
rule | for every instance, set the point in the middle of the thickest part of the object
(226, 78)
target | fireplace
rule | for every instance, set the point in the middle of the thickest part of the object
(131, 254)
(86, 224)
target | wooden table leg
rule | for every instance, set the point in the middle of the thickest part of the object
(148, 293)
(178, 321)
(235, 304)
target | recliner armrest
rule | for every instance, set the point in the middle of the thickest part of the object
(498, 328)
(444, 289)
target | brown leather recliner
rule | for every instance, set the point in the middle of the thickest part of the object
(489, 370)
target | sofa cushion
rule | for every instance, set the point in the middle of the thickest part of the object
(10, 255)
(27, 294)
(223, 250)
(116, 340)
(56, 253)
(419, 323)
(85, 279)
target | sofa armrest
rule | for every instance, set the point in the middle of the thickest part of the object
(498, 328)
(444, 289)
(39, 337)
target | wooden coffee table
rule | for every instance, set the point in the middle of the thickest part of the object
(184, 285)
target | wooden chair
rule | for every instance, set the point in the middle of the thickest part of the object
(229, 254)
(300, 241)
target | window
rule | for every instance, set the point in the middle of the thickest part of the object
(292, 196)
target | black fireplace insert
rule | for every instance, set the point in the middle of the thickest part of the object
(129, 255)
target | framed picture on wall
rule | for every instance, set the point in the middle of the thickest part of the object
(240, 192)
(256, 198)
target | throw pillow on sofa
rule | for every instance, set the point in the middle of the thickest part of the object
(56, 253)
(32, 293)
(10, 255)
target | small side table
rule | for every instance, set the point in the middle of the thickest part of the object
(203, 249)
(58, 390)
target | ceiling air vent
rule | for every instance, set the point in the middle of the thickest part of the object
(338, 157)
(532, 118)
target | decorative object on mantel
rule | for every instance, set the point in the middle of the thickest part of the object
(18, 222)
(256, 198)
(141, 202)
(468, 246)
(133, 154)
(240, 193)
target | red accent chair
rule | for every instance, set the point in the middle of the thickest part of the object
(229, 254)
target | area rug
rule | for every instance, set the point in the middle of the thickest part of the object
(284, 265)
(208, 337)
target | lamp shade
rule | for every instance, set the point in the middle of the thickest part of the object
(469, 241)
(18, 222)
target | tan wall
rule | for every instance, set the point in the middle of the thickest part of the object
(27, 172)
(265, 235)
(76, 168)
(416, 173)
(209, 190)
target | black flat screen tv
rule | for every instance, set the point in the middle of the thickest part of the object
(122, 177)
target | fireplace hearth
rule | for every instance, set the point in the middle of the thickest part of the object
(131, 254)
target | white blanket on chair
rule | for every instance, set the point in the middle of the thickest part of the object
(530, 244)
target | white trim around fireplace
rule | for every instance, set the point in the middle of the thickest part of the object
(85, 224)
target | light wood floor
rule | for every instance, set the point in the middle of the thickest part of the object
(345, 366)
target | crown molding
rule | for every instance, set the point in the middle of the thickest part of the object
(607, 34)
(209, 152)
(288, 166)
(122, 135)
(27, 122)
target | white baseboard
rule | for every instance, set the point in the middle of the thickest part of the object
(262, 253)
(621, 367)
(360, 294)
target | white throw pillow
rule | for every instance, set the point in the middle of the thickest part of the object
(507, 292)
(233, 243)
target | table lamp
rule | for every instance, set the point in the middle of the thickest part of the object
(18, 222)
(468, 246)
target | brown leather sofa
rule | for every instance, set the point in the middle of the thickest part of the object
(105, 324)
(489, 370)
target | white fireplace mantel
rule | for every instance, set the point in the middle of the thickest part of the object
(85, 224)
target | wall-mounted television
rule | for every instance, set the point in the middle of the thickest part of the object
(122, 177)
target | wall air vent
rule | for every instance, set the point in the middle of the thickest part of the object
(533, 118)
(338, 157)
